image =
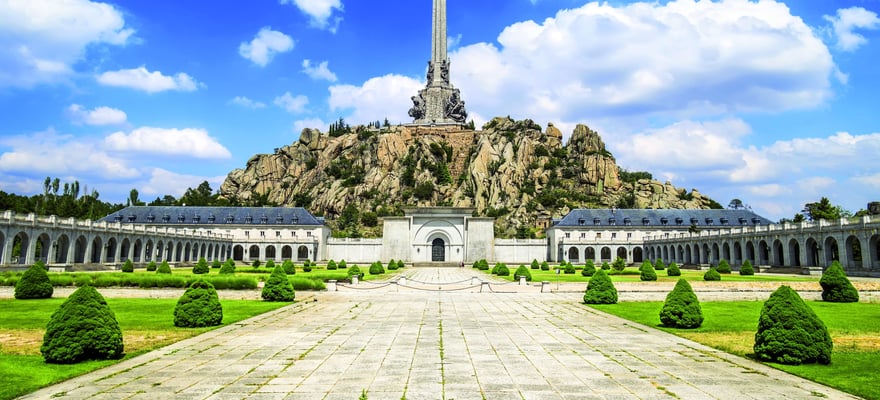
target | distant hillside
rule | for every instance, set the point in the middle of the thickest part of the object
(513, 170)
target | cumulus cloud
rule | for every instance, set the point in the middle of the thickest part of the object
(265, 46)
(162, 182)
(41, 40)
(169, 142)
(312, 123)
(151, 82)
(383, 97)
(97, 116)
(847, 21)
(52, 154)
(319, 12)
(292, 104)
(245, 102)
(318, 72)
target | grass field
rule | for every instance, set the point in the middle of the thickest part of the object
(631, 274)
(23, 322)
(731, 327)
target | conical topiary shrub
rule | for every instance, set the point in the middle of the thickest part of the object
(659, 265)
(288, 267)
(376, 268)
(605, 266)
(502, 270)
(278, 287)
(600, 290)
(673, 270)
(712, 275)
(198, 307)
(545, 266)
(228, 267)
(270, 264)
(535, 264)
(354, 270)
(647, 273)
(216, 264)
(723, 267)
(34, 283)
(523, 271)
(128, 266)
(331, 265)
(342, 264)
(151, 267)
(836, 287)
(747, 268)
(682, 308)
(82, 328)
(201, 267)
(392, 265)
(789, 332)
(589, 268)
(569, 268)
(164, 268)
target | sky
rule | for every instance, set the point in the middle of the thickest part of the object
(772, 102)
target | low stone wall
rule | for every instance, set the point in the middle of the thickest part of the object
(520, 251)
(360, 251)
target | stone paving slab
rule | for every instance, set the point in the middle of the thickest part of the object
(420, 344)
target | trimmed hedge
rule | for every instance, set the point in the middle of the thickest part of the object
(747, 268)
(34, 283)
(342, 264)
(646, 272)
(152, 267)
(605, 266)
(288, 267)
(376, 268)
(128, 266)
(198, 307)
(712, 275)
(201, 267)
(270, 264)
(589, 269)
(164, 268)
(569, 269)
(354, 270)
(836, 287)
(681, 308)
(523, 271)
(673, 270)
(659, 265)
(619, 264)
(216, 264)
(723, 267)
(535, 264)
(501, 270)
(228, 268)
(331, 265)
(545, 266)
(789, 332)
(278, 287)
(600, 290)
(82, 328)
(307, 266)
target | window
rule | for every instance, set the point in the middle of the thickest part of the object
(249, 220)
(279, 220)
(166, 218)
(581, 221)
(612, 221)
(694, 221)
(278, 234)
(247, 233)
(597, 221)
(710, 221)
(613, 235)
(308, 234)
(664, 221)
(230, 219)
(666, 234)
(264, 220)
(294, 220)
(211, 219)
(627, 221)
(646, 221)
(567, 235)
(151, 218)
(583, 235)
(629, 235)
(743, 221)
(679, 221)
(117, 218)
(262, 234)
(132, 218)
(598, 235)
(181, 218)
(756, 221)
(197, 218)
(725, 221)
(293, 233)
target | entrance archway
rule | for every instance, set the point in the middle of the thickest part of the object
(438, 250)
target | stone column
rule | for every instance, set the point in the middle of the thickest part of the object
(438, 43)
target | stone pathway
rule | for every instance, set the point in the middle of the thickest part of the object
(415, 342)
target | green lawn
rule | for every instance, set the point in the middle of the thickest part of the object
(731, 326)
(631, 274)
(22, 369)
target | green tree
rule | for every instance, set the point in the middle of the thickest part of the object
(681, 308)
(198, 307)
(34, 283)
(128, 266)
(646, 272)
(288, 267)
(836, 287)
(164, 268)
(673, 270)
(789, 332)
(600, 290)
(747, 268)
(82, 328)
(201, 267)
(823, 209)
(659, 265)
(589, 268)
(278, 287)
(723, 267)
(619, 264)
(712, 275)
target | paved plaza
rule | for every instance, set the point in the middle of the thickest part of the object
(417, 342)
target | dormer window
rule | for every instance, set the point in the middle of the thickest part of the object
(756, 221)
(279, 220)
(597, 221)
(581, 221)
(627, 221)
(646, 221)
(132, 218)
(181, 218)
(743, 221)
(264, 220)
(710, 221)
(664, 221)
(725, 221)
(294, 220)
(694, 221)
(249, 220)
(151, 218)
(197, 218)
(211, 219)
(166, 218)
(612, 221)
(230, 219)
(117, 218)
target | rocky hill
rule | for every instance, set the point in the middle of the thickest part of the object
(513, 170)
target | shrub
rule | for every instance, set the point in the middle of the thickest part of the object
(723, 267)
(606, 266)
(789, 332)
(34, 283)
(198, 307)
(600, 290)
(569, 268)
(278, 287)
(619, 264)
(535, 264)
(164, 268)
(270, 264)
(256, 264)
(82, 328)
(747, 268)
(659, 265)
(589, 268)
(128, 266)
(288, 267)
(201, 267)
(673, 270)
(151, 267)
(712, 275)
(523, 271)
(227, 268)
(342, 265)
(646, 272)
(376, 268)
(836, 287)
(354, 270)
(331, 265)
(501, 270)
(545, 266)
(307, 266)
(392, 265)
(216, 264)
(682, 308)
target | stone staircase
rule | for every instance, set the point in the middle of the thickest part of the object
(436, 265)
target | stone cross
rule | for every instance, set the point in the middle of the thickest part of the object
(438, 43)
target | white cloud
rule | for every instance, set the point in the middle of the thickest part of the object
(162, 182)
(41, 40)
(847, 21)
(151, 82)
(292, 104)
(319, 12)
(246, 103)
(97, 116)
(869, 180)
(312, 123)
(51, 154)
(265, 46)
(320, 71)
(194, 143)
(378, 98)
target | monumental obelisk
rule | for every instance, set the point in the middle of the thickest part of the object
(439, 103)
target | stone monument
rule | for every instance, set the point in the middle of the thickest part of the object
(439, 102)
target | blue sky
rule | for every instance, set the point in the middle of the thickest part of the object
(771, 102)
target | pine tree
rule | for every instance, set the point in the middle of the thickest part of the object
(647, 273)
(82, 328)
(836, 287)
(682, 308)
(600, 290)
(278, 287)
(789, 332)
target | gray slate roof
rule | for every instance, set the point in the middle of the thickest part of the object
(159, 215)
(665, 218)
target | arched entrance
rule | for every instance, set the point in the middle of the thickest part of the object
(438, 250)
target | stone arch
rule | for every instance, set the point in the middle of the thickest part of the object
(438, 250)
(854, 252)
(637, 255)
(238, 253)
(187, 249)
(725, 252)
(286, 252)
(210, 254)
(20, 243)
(97, 248)
(875, 251)
(254, 252)
(750, 253)
(203, 251)
(148, 250)
(574, 255)
(62, 248)
(606, 253)
(622, 253)
(79, 250)
(110, 254)
(832, 251)
(138, 251)
(178, 252)
(737, 253)
(664, 253)
(686, 257)
(270, 252)
(778, 253)
(794, 253)
(2, 247)
(589, 254)
(42, 245)
(716, 254)
(763, 253)
(812, 252)
(696, 255)
(302, 253)
(125, 250)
